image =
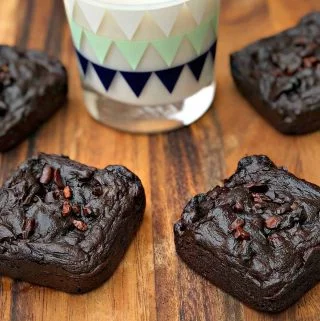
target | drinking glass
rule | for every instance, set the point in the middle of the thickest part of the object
(146, 65)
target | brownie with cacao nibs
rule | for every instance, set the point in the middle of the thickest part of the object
(66, 225)
(257, 237)
(33, 87)
(280, 77)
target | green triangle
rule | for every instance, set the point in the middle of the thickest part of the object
(76, 31)
(133, 51)
(100, 45)
(215, 23)
(168, 48)
(197, 36)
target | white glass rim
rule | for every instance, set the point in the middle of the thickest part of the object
(135, 4)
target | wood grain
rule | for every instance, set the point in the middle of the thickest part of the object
(151, 283)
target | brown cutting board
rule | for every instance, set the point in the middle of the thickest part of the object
(151, 283)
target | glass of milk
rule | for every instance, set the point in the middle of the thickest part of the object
(146, 65)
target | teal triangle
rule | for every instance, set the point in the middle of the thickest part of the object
(197, 36)
(133, 51)
(76, 32)
(100, 45)
(168, 48)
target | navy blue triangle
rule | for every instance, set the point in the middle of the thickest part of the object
(106, 75)
(170, 77)
(196, 66)
(84, 62)
(213, 50)
(136, 80)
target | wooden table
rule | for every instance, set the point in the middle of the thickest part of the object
(151, 283)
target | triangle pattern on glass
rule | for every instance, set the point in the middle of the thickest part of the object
(168, 48)
(84, 62)
(215, 23)
(93, 14)
(197, 36)
(128, 21)
(100, 45)
(92, 80)
(105, 75)
(197, 8)
(76, 32)
(196, 66)
(170, 77)
(136, 80)
(166, 18)
(132, 51)
(213, 50)
(69, 5)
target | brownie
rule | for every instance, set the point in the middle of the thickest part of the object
(257, 237)
(66, 225)
(280, 77)
(32, 87)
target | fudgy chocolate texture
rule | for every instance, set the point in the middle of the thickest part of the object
(280, 77)
(257, 237)
(32, 87)
(66, 225)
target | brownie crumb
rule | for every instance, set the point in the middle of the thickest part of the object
(47, 175)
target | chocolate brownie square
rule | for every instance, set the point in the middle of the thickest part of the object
(280, 77)
(32, 88)
(66, 225)
(257, 237)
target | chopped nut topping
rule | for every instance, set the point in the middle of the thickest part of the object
(66, 209)
(272, 222)
(47, 174)
(28, 228)
(58, 178)
(67, 192)
(239, 222)
(241, 234)
(237, 228)
(63, 193)
(81, 226)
